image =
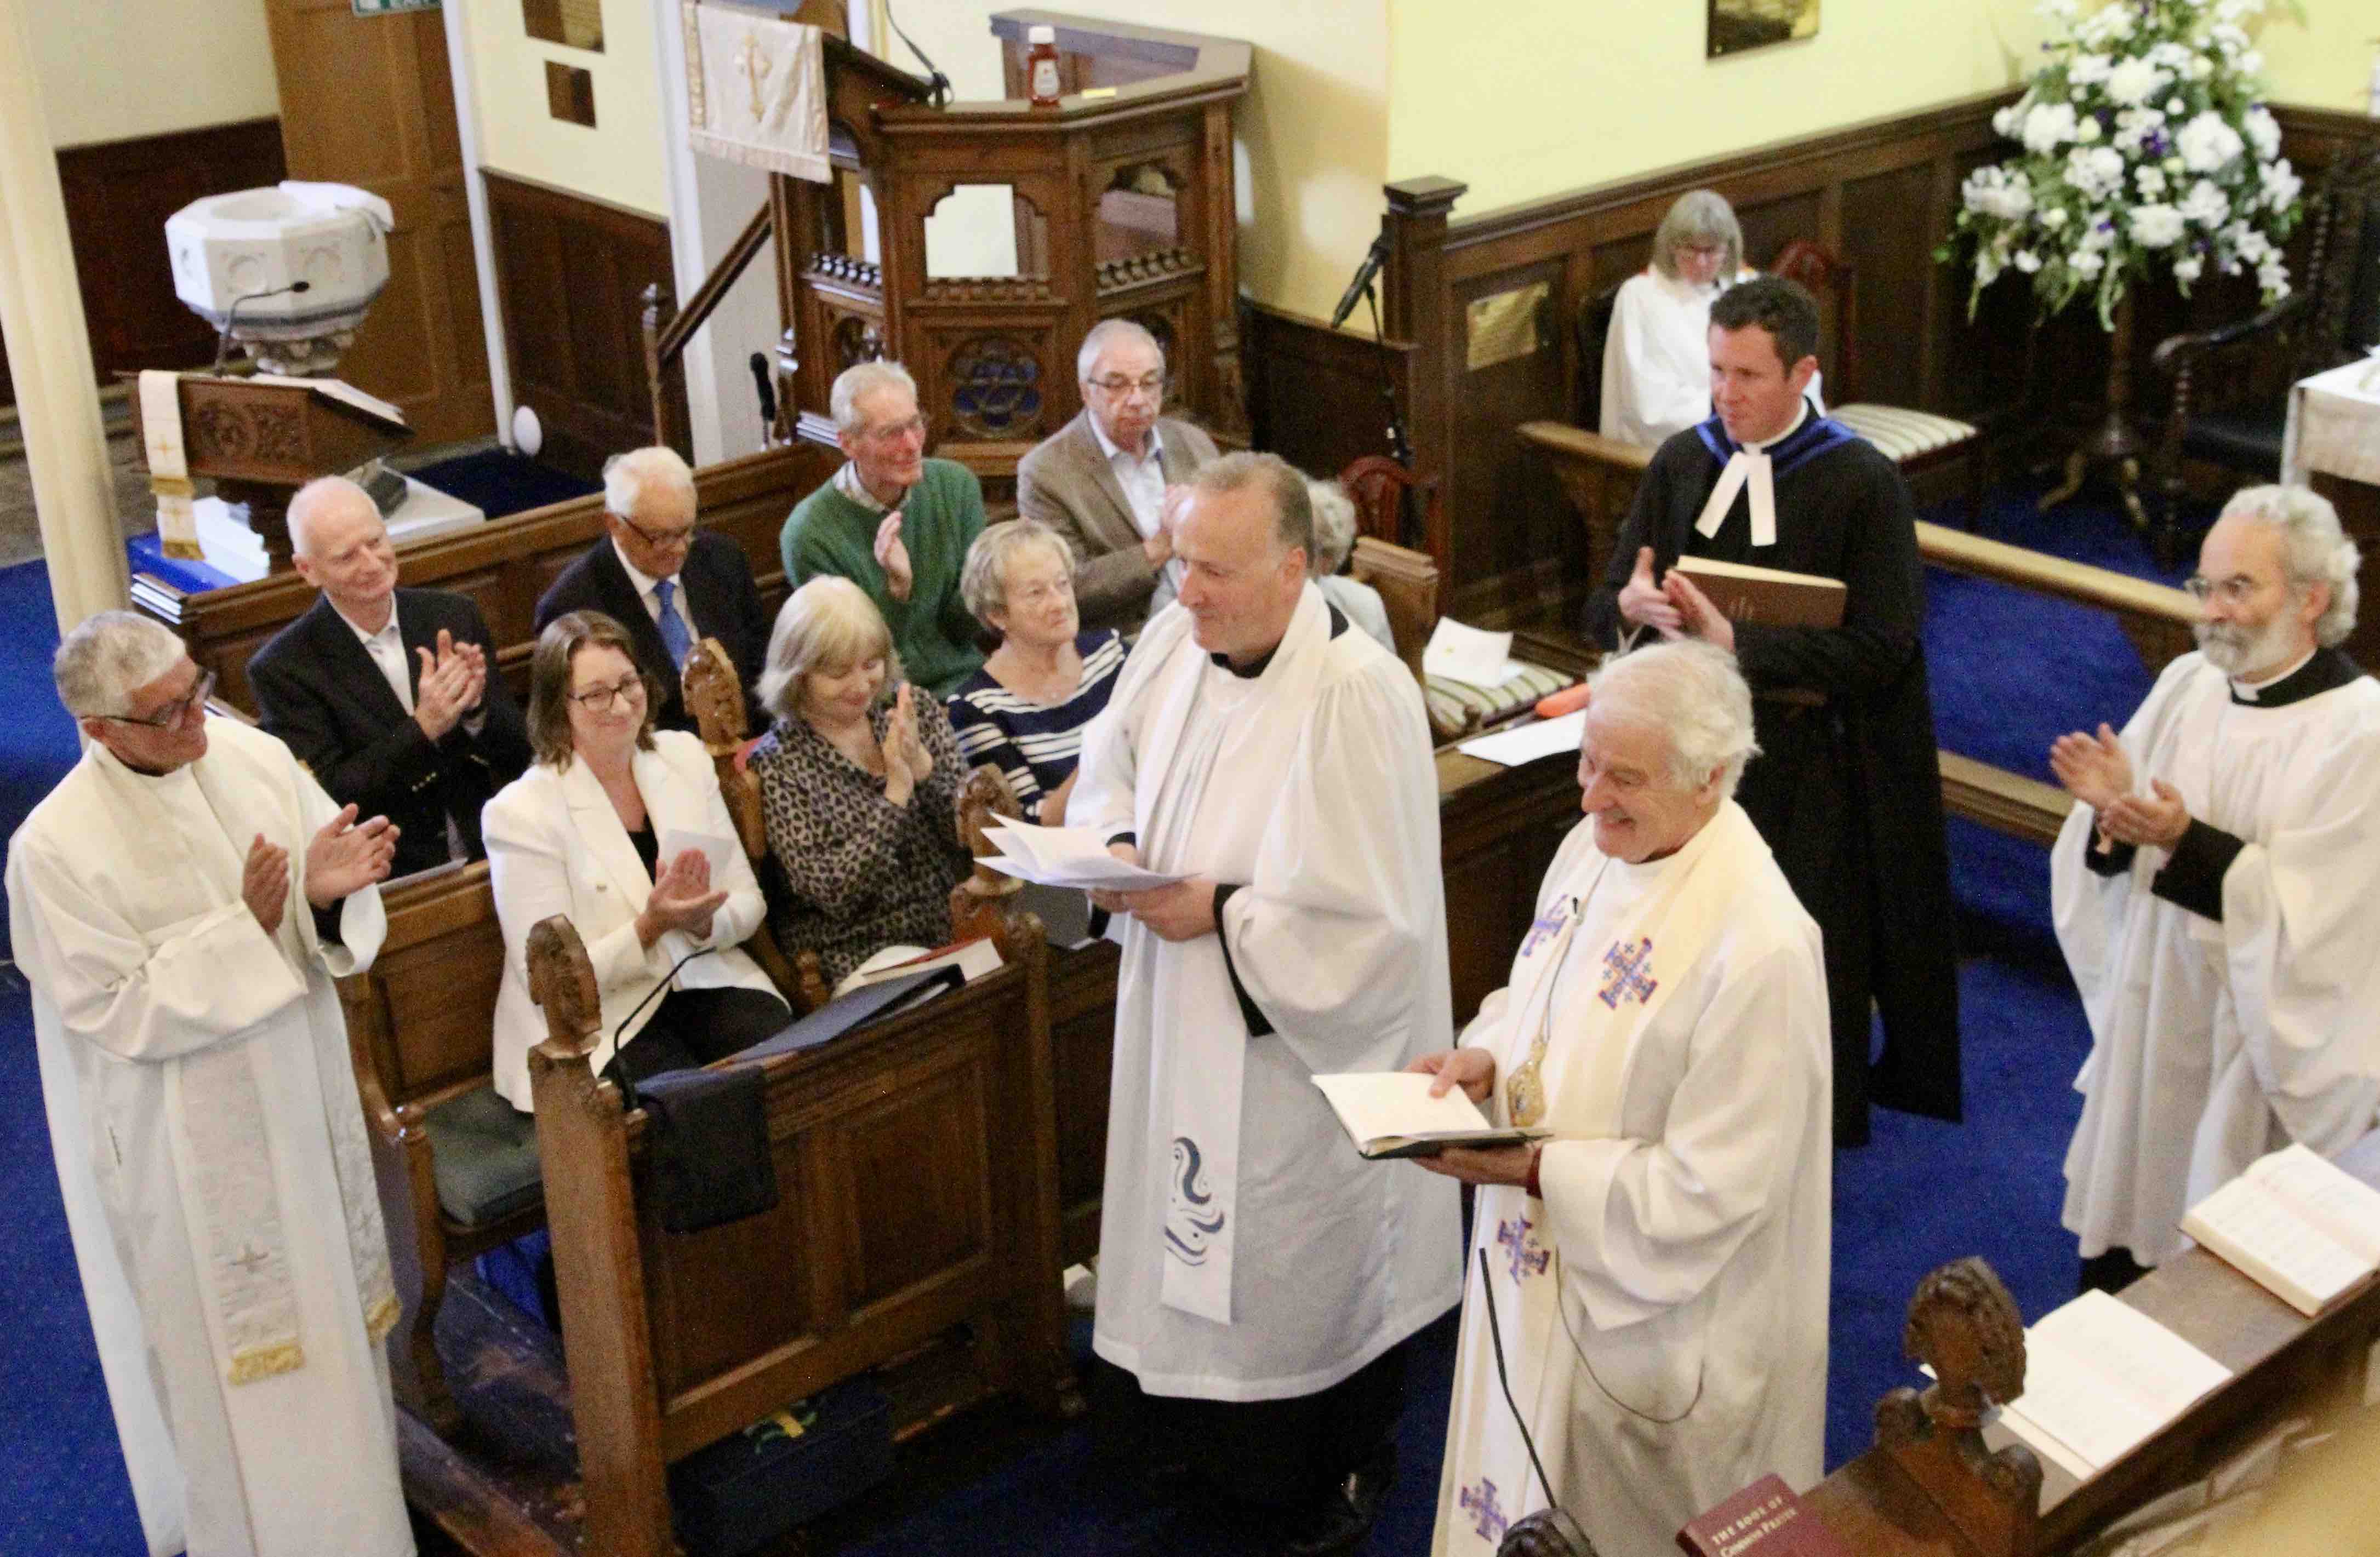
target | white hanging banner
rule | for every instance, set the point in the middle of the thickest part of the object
(169, 465)
(756, 90)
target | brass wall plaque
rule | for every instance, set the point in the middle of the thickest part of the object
(1505, 325)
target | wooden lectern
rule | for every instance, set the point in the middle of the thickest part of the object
(1118, 203)
(262, 440)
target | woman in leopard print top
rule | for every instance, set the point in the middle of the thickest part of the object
(859, 776)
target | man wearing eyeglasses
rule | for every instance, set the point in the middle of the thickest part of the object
(670, 584)
(1110, 479)
(2213, 892)
(385, 694)
(182, 904)
(896, 524)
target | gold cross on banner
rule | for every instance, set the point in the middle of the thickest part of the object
(757, 69)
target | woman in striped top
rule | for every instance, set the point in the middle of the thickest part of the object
(1025, 710)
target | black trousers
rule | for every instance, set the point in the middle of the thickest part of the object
(1273, 1454)
(2112, 1272)
(691, 1028)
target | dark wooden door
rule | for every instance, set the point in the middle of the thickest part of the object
(368, 100)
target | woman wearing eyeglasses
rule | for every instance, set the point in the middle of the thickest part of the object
(582, 834)
(859, 780)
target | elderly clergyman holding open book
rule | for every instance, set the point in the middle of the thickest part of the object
(1658, 1264)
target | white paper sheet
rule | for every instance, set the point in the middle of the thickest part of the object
(1527, 743)
(1065, 857)
(1466, 654)
(717, 850)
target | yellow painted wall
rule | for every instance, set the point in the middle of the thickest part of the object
(115, 69)
(1313, 130)
(621, 159)
(1530, 98)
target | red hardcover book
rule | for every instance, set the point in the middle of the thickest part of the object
(1765, 1519)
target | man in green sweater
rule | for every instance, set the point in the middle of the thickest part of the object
(895, 523)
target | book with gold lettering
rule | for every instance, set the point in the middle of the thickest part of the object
(1770, 597)
(1765, 1519)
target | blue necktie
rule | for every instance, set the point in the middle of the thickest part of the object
(675, 636)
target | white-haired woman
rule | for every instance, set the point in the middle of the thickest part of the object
(859, 779)
(1334, 537)
(1025, 710)
(1656, 358)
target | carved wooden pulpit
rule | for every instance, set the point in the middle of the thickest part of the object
(262, 440)
(1000, 234)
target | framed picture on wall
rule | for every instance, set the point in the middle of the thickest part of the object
(1738, 25)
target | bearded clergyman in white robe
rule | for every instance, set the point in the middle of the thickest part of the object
(1657, 1266)
(1256, 1279)
(181, 903)
(2213, 892)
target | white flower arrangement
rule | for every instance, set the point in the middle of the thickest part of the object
(2148, 151)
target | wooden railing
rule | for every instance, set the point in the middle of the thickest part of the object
(666, 335)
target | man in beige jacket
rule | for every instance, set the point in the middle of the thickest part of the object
(1109, 479)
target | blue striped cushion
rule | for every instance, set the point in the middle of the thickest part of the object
(1900, 434)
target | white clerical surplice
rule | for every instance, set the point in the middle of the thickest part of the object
(1245, 1252)
(211, 1151)
(1663, 1308)
(2214, 1041)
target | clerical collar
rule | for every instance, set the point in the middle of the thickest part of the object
(2325, 670)
(1256, 668)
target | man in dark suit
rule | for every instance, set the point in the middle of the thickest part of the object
(669, 583)
(385, 693)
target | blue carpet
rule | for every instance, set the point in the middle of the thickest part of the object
(498, 482)
(2009, 671)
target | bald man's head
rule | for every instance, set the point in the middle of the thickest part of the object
(342, 547)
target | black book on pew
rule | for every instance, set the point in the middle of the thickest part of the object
(867, 1004)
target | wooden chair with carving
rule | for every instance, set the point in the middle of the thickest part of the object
(2231, 385)
(1378, 486)
(715, 696)
(1917, 441)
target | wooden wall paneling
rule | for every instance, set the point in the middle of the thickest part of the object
(118, 195)
(1888, 237)
(370, 101)
(1501, 567)
(571, 273)
(1314, 392)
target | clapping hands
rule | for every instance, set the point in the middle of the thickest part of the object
(907, 764)
(452, 681)
(683, 900)
(1675, 607)
(2096, 770)
(892, 556)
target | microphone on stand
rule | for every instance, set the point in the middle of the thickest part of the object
(759, 362)
(1374, 258)
(231, 315)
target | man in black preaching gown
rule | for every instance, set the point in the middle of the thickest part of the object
(1846, 792)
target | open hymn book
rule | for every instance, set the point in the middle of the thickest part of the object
(1391, 1114)
(2304, 1228)
(1065, 857)
(2100, 1379)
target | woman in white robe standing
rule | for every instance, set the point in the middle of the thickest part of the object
(181, 903)
(1659, 1264)
(1657, 370)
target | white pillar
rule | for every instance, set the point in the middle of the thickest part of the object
(49, 349)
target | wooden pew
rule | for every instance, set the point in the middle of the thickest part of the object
(1930, 1486)
(504, 565)
(1599, 476)
(456, 1166)
(917, 1163)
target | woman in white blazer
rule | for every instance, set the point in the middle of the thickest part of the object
(578, 834)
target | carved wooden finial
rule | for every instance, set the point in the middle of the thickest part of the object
(980, 905)
(714, 695)
(561, 981)
(1963, 1324)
